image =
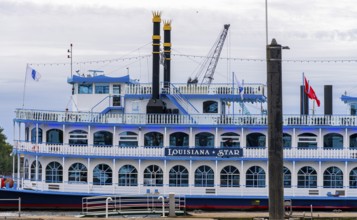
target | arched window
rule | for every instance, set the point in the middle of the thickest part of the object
(33, 135)
(229, 177)
(333, 177)
(102, 175)
(210, 107)
(255, 177)
(256, 140)
(179, 139)
(77, 173)
(128, 176)
(54, 136)
(307, 140)
(230, 139)
(78, 137)
(204, 139)
(128, 139)
(353, 178)
(286, 140)
(178, 176)
(54, 173)
(204, 176)
(103, 138)
(287, 177)
(27, 169)
(33, 171)
(333, 140)
(153, 139)
(153, 176)
(353, 141)
(307, 177)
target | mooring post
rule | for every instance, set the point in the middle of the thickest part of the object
(275, 131)
(106, 206)
(163, 205)
(172, 205)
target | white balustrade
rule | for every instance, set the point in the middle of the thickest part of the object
(204, 119)
(159, 151)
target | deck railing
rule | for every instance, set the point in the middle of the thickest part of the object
(196, 89)
(65, 149)
(204, 119)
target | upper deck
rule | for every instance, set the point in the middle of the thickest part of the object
(175, 119)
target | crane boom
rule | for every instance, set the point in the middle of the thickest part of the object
(214, 55)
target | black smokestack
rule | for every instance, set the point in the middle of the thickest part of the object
(156, 55)
(304, 102)
(328, 108)
(167, 53)
(155, 104)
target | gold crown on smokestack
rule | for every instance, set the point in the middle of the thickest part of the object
(167, 25)
(156, 16)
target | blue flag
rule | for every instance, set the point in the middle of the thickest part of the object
(33, 73)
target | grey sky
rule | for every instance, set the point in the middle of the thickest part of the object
(40, 31)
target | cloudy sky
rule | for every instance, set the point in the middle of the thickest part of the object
(39, 32)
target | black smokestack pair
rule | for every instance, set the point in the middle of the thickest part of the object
(328, 104)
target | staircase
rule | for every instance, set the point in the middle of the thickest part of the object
(183, 104)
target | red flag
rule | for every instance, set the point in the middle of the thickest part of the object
(310, 92)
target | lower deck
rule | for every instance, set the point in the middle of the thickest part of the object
(234, 177)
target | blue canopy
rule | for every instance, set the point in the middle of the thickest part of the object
(98, 79)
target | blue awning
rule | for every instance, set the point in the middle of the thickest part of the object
(349, 99)
(98, 79)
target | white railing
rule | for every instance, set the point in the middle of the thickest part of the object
(204, 119)
(196, 89)
(159, 151)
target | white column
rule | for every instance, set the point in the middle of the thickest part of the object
(320, 177)
(191, 139)
(294, 177)
(140, 176)
(90, 139)
(191, 177)
(64, 134)
(114, 175)
(89, 174)
(320, 144)
(346, 176)
(166, 139)
(36, 140)
(36, 170)
(293, 139)
(18, 171)
(243, 139)
(242, 176)
(165, 180)
(216, 177)
(346, 142)
(115, 141)
(216, 144)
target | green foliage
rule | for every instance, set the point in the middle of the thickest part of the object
(5, 158)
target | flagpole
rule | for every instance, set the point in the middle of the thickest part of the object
(303, 93)
(24, 90)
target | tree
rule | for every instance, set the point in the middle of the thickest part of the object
(5, 151)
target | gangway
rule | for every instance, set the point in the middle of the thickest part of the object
(148, 204)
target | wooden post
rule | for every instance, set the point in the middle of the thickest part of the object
(275, 131)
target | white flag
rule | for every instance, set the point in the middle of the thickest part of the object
(33, 73)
